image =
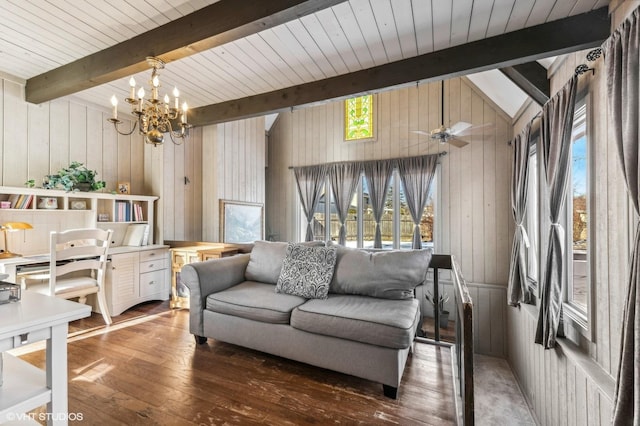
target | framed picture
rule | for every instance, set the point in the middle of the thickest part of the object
(123, 188)
(241, 222)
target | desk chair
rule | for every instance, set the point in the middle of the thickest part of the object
(75, 254)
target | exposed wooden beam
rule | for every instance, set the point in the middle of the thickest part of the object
(204, 29)
(549, 39)
(531, 77)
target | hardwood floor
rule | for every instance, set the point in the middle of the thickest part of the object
(147, 369)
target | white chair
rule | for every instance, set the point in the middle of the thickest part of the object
(77, 267)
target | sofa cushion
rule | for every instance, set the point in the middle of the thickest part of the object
(386, 274)
(307, 271)
(265, 262)
(254, 301)
(381, 322)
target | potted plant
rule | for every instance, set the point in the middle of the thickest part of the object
(439, 304)
(76, 177)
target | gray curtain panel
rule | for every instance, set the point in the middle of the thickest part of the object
(417, 174)
(621, 53)
(344, 179)
(518, 290)
(555, 128)
(310, 181)
(378, 174)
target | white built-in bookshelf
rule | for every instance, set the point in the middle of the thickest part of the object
(54, 210)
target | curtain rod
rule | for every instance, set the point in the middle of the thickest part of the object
(593, 55)
(440, 154)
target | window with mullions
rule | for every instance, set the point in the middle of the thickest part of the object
(578, 287)
(396, 224)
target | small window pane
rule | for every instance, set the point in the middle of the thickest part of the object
(531, 219)
(579, 281)
(319, 218)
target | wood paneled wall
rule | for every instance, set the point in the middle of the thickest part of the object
(37, 140)
(473, 220)
(583, 385)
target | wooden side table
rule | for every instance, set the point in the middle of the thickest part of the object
(34, 318)
(181, 256)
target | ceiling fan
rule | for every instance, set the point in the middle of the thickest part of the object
(451, 135)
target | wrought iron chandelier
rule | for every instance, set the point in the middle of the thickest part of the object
(155, 117)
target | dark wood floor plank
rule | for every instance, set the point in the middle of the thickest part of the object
(147, 369)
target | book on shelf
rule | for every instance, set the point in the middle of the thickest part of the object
(135, 234)
(13, 198)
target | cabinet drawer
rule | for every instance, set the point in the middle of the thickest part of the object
(32, 336)
(152, 254)
(152, 265)
(151, 282)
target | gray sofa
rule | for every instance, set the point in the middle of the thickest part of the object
(364, 327)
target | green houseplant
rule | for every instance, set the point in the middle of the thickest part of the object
(76, 177)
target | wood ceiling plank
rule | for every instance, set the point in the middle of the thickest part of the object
(553, 38)
(387, 27)
(353, 33)
(519, 14)
(367, 24)
(402, 13)
(480, 17)
(500, 15)
(336, 34)
(423, 21)
(460, 19)
(261, 58)
(297, 29)
(441, 26)
(290, 57)
(314, 27)
(302, 56)
(540, 12)
(212, 26)
(562, 9)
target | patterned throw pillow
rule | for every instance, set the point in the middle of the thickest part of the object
(307, 271)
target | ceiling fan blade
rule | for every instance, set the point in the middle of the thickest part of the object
(459, 127)
(473, 129)
(420, 132)
(458, 143)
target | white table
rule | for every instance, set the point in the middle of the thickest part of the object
(36, 317)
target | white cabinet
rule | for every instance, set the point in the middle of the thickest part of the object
(135, 276)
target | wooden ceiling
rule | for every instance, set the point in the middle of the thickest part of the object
(227, 55)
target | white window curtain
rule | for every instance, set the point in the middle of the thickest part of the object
(555, 135)
(344, 179)
(417, 174)
(310, 181)
(622, 59)
(518, 290)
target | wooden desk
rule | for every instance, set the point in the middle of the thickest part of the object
(34, 318)
(181, 256)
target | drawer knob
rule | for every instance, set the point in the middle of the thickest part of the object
(152, 282)
(24, 338)
(152, 265)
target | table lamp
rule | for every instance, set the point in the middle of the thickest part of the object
(12, 226)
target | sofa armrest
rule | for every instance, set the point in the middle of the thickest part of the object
(211, 276)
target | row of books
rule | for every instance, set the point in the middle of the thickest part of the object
(124, 212)
(21, 201)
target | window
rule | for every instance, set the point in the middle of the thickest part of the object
(577, 220)
(358, 118)
(396, 224)
(531, 219)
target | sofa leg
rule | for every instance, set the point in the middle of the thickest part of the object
(200, 339)
(390, 391)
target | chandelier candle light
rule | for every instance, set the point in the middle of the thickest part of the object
(155, 117)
